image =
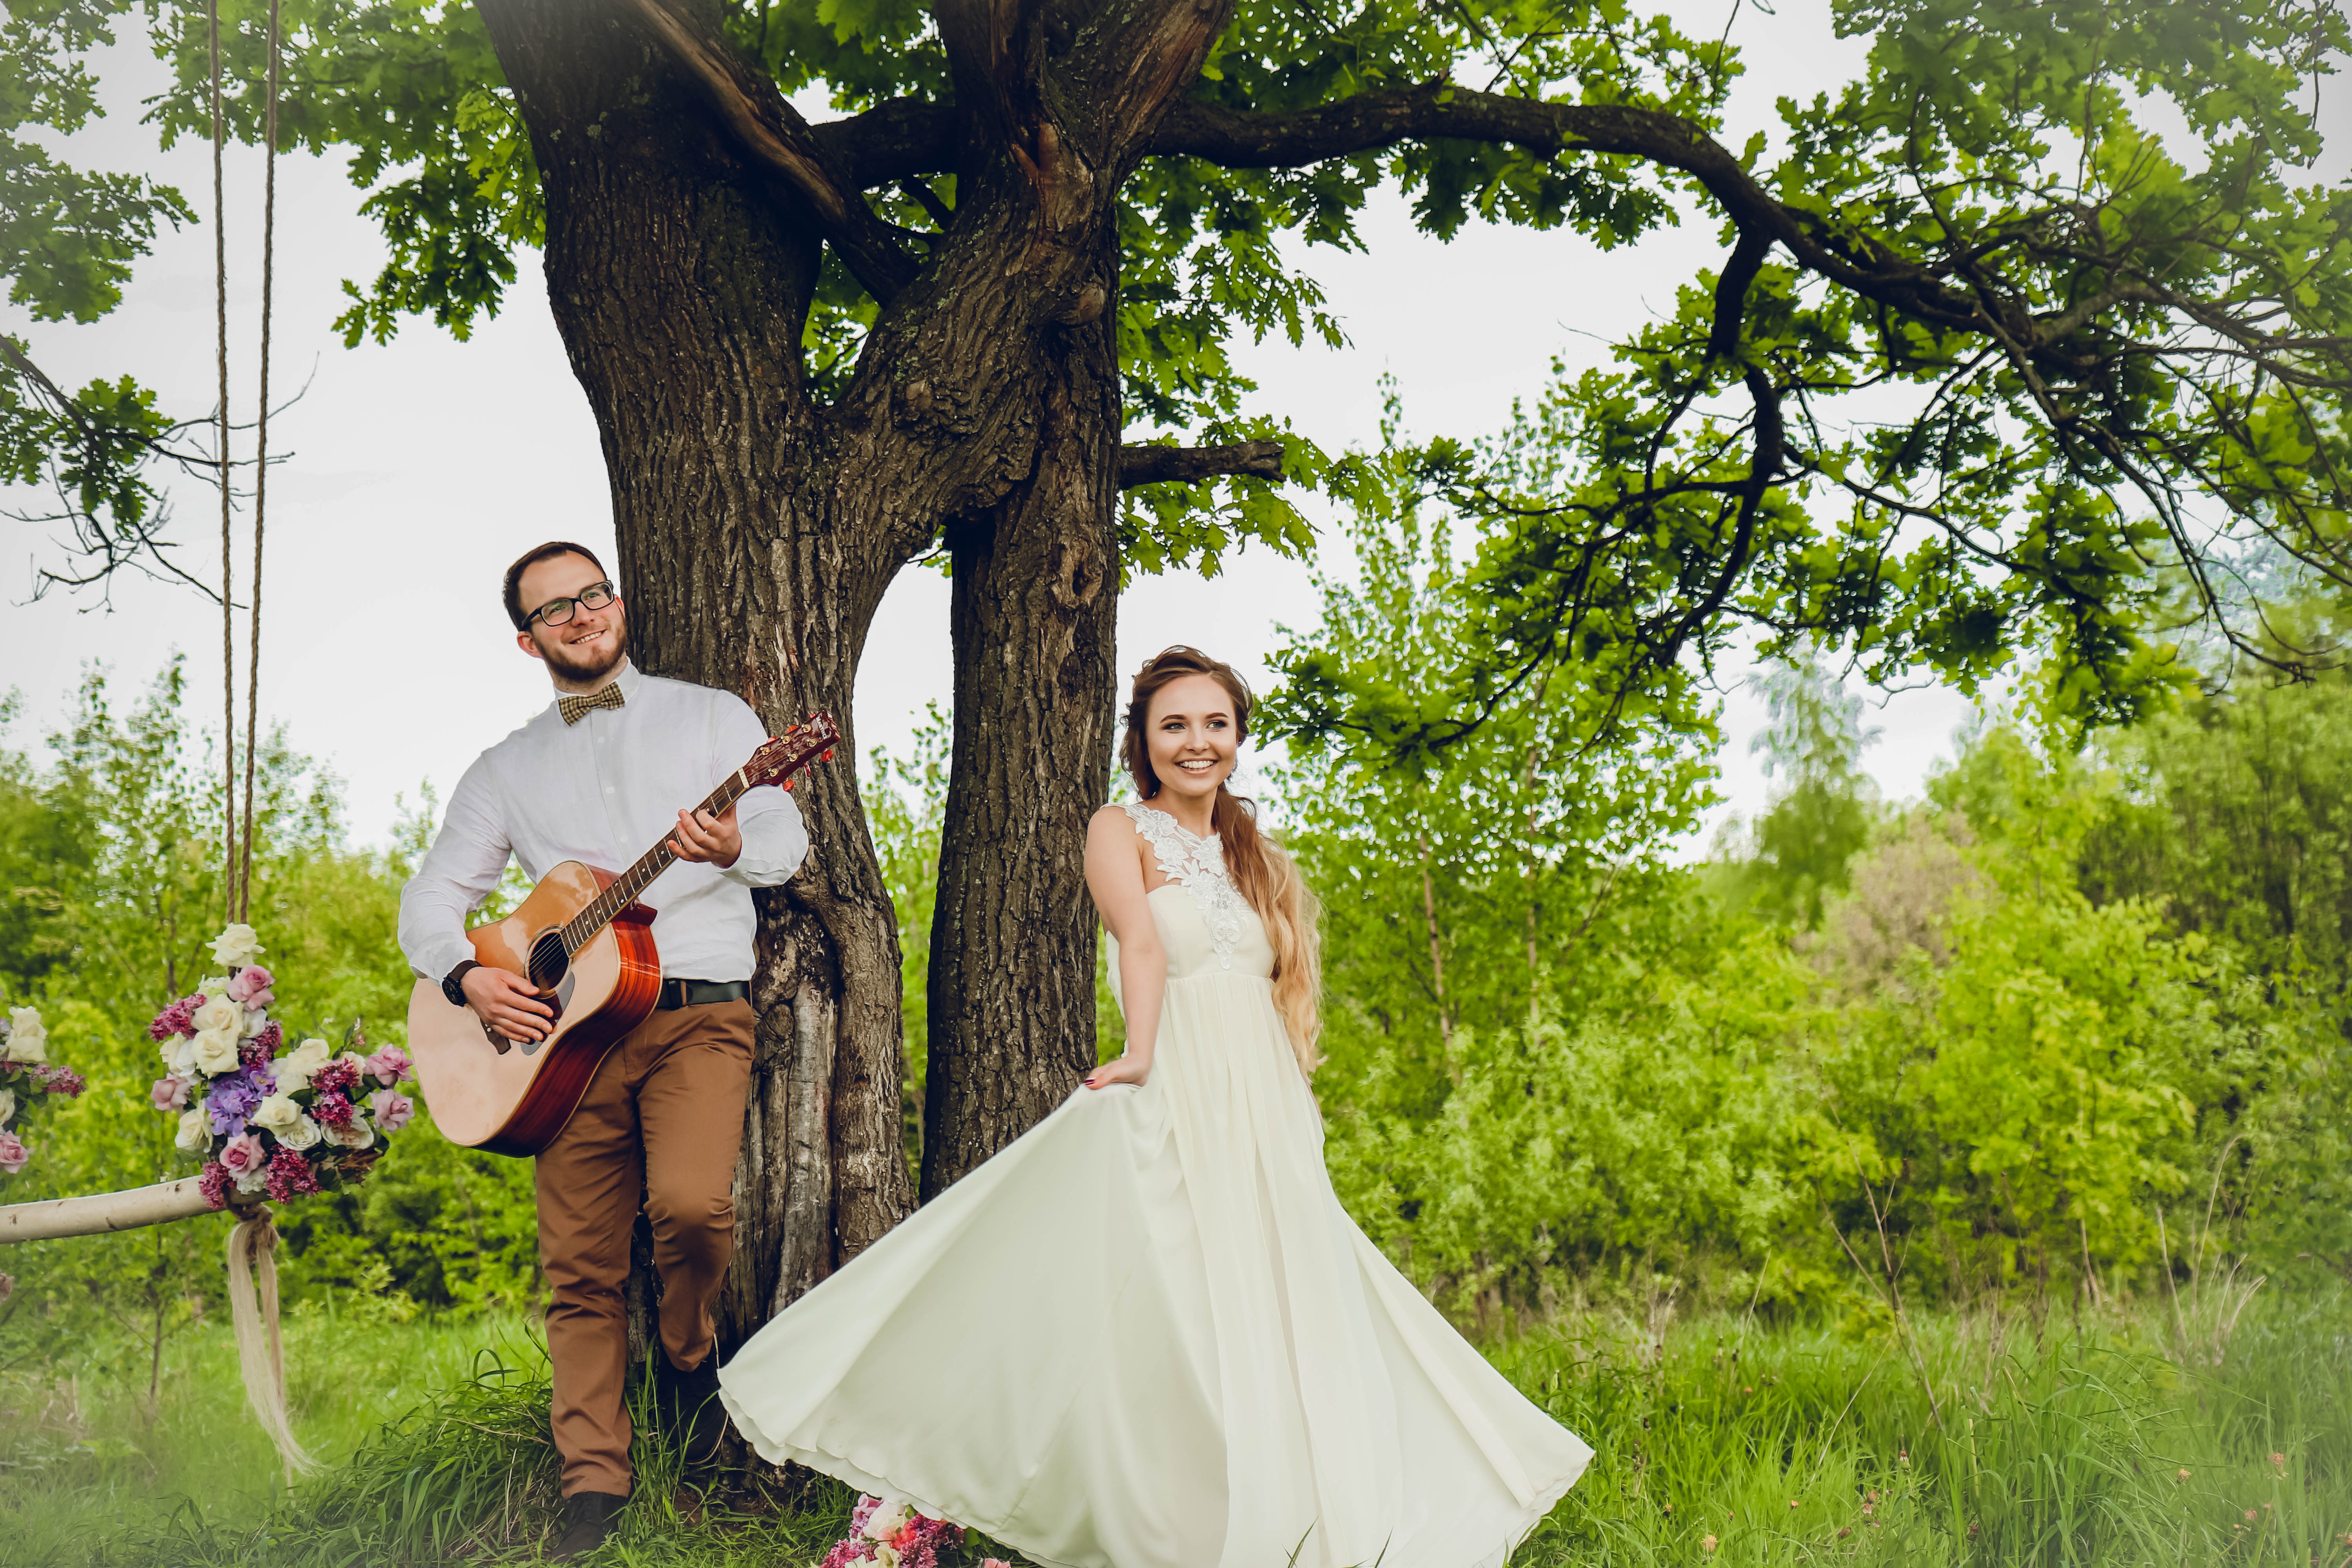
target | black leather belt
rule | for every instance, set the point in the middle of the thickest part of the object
(700, 992)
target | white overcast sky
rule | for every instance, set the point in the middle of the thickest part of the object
(417, 470)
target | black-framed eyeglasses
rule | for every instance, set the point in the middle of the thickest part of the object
(555, 612)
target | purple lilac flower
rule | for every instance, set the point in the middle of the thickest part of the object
(338, 1077)
(179, 1018)
(213, 1184)
(331, 1110)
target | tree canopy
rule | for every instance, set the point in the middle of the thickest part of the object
(1987, 356)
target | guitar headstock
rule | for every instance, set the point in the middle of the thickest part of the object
(778, 759)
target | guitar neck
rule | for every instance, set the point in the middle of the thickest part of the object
(583, 927)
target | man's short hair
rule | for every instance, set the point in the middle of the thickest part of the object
(530, 558)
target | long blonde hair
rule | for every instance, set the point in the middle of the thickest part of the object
(1267, 876)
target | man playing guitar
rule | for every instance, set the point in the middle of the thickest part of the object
(594, 777)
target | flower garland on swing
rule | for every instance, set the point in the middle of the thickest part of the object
(266, 1123)
(26, 1079)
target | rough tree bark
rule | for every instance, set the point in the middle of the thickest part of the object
(687, 203)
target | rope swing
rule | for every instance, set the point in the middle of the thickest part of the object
(237, 854)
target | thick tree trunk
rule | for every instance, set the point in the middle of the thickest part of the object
(1034, 622)
(680, 280)
(758, 532)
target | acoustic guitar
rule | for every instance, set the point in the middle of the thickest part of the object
(587, 946)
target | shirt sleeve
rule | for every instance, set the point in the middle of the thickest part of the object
(460, 871)
(775, 841)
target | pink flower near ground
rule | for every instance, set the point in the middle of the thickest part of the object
(242, 1155)
(14, 1155)
(251, 986)
(170, 1093)
(390, 1065)
(392, 1109)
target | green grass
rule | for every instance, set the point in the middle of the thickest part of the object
(2050, 1444)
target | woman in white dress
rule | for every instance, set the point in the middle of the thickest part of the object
(1146, 1335)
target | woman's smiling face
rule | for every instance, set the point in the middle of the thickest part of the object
(1192, 737)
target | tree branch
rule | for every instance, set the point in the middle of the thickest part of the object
(891, 142)
(771, 131)
(1371, 120)
(1148, 465)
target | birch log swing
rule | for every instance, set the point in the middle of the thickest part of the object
(268, 1124)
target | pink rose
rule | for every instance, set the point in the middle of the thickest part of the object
(392, 1109)
(14, 1155)
(251, 986)
(390, 1065)
(242, 1155)
(170, 1093)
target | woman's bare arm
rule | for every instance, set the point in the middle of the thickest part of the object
(1115, 878)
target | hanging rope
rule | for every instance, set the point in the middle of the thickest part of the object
(261, 1350)
(261, 467)
(228, 602)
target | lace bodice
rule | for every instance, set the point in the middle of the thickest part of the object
(1198, 866)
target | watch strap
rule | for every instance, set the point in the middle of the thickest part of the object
(453, 983)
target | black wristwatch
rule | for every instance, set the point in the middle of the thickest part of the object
(453, 983)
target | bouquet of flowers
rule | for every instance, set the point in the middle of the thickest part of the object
(26, 1079)
(263, 1121)
(895, 1537)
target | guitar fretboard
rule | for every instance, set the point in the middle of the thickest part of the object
(639, 877)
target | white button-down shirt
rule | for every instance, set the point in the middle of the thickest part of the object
(605, 791)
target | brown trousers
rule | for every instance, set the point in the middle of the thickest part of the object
(660, 1125)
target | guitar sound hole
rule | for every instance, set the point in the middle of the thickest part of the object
(549, 962)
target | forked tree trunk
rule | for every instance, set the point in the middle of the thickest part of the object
(758, 532)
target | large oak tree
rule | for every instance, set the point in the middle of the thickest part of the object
(1984, 363)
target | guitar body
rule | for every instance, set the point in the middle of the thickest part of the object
(513, 1097)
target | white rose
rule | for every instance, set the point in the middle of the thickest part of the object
(237, 945)
(885, 1556)
(298, 1137)
(28, 1039)
(179, 1056)
(195, 1130)
(254, 1022)
(214, 1052)
(277, 1113)
(252, 1181)
(294, 1070)
(358, 1135)
(884, 1521)
(7, 1106)
(219, 1012)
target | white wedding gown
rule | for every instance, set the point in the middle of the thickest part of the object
(1146, 1334)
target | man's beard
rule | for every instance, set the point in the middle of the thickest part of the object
(574, 667)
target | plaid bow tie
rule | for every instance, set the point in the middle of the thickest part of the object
(575, 708)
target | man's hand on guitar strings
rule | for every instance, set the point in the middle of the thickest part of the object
(703, 838)
(507, 1002)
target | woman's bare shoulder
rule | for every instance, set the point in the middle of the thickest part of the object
(1113, 816)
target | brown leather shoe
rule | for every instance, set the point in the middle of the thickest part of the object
(588, 1519)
